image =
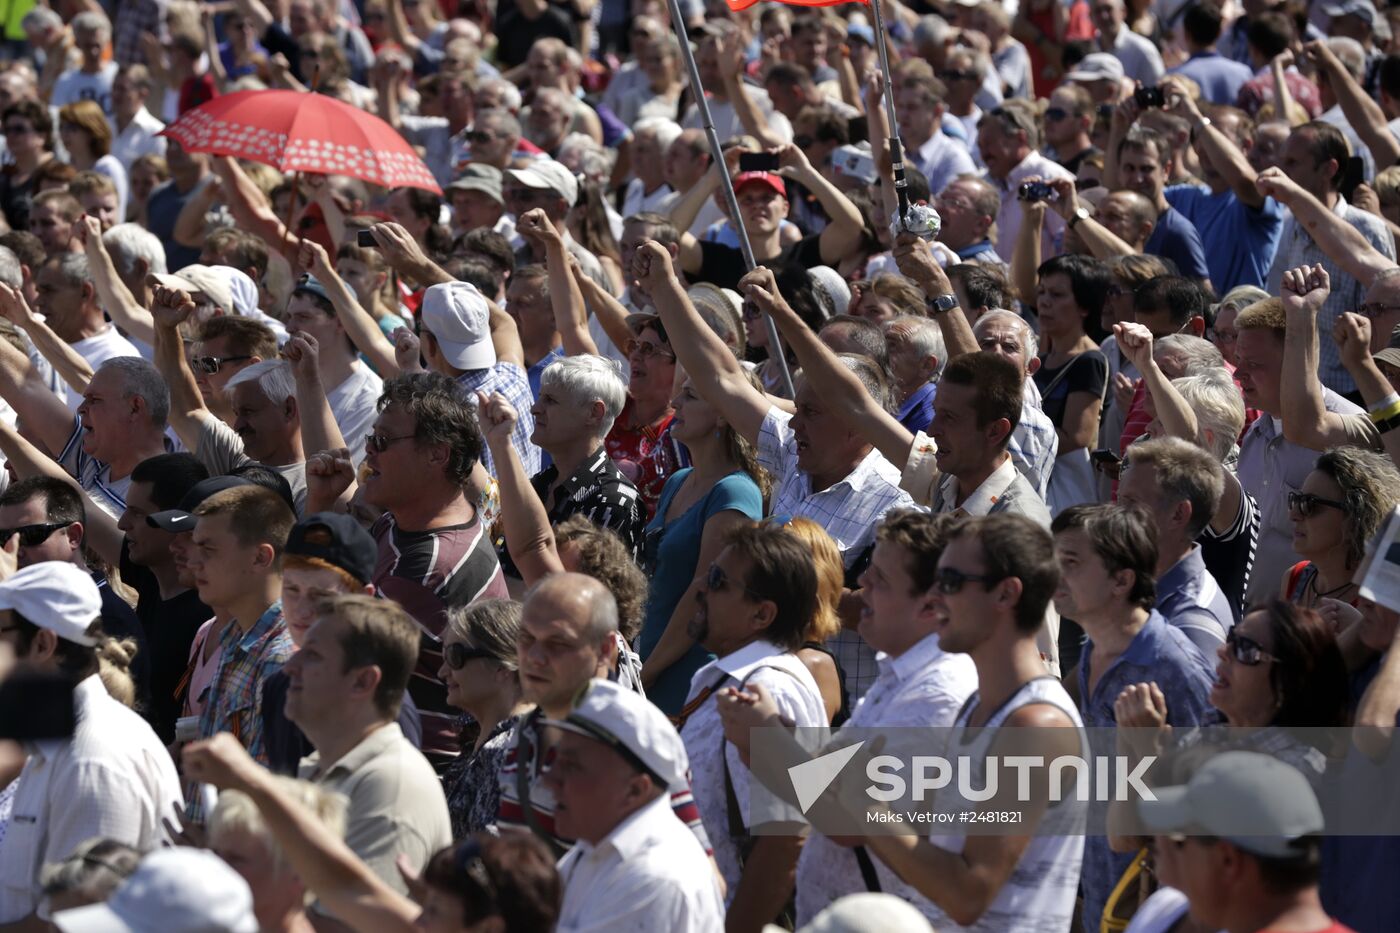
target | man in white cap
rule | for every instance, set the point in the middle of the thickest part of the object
(178, 890)
(635, 866)
(550, 186)
(1101, 74)
(111, 778)
(1243, 837)
(457, 342)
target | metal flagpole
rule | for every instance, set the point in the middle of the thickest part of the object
(901, 185)
(716, 153)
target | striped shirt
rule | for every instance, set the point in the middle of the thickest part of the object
(1229, 555)
(93, 475)
(528, 749)
(246, 660)
(428, 573)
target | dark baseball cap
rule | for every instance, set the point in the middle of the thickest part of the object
(338, 540)
(182, 518)
(312, 286)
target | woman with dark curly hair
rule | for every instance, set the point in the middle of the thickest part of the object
(1340, 507)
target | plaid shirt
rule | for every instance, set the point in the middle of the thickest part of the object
(512, 382)
(1296, 247)
(246, 660)
(134, 19)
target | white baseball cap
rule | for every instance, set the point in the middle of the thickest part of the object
(549, 175)
(177, 890)
(55, 595)
(243, 291)
(1097, 66)
(857, 913)
(457, 316)
(201, 278)
(1258, 803)
(633, 725)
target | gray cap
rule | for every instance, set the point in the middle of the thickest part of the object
(1097, 66)
(1364, 9)
(478, 176)
(1254, 801)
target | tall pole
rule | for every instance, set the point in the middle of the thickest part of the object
(717, 154)
(901, 184)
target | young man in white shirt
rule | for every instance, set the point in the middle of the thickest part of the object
(91, 80)
(635, 866)
(135, 127)
(111, 778)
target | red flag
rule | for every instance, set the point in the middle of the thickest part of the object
(737, 5)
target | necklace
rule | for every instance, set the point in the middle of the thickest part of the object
(1312, 585)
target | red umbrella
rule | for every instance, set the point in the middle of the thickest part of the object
(294, 131)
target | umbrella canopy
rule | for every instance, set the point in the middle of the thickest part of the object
(294, 131)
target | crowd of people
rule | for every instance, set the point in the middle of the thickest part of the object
(427, 561)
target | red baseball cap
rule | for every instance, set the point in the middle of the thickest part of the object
(772, 181)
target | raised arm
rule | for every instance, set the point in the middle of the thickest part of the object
(1103, 243)
(529, 536)
(1352, 332)
(1287, 109)
(170, 308)
(67, 362)
(565, 297)
(713, 370)
(342, 882)
(1376, 714)
(1124, 116)
(250, 208)
(318, 428)
(878, 123)
(1225, 157)
(359, 325)
(844, 228)
(1025, 254)
(505, 336)
(189, 225)
(611, 313)
(1306, 420)
(1361, 110)
(1342, 242)
(42, 412)
(732, 66)
(840, 388)
(915, 261)
(116, 299)
(404, 254)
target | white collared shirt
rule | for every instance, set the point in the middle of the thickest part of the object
(942, 159)
(798, 699)
(1009, 217)
(1004, 490)
(649, 873)
(923, 687)
(113, 779)
(138, 139)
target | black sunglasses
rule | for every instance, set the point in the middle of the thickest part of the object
(804, 141)
(1305, 503)
(477, 136)
(209, 365)
(457, 655)
(1056, 113)
(717, 581)
(1246, 650)
(950, 580)
(380, 442)
(32, 535)
(957, 76)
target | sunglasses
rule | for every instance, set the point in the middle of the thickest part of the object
(209, 365)
(957, 76)
(647, 350)
(1374, 309)
(32, 535)
(18, 130)
(380, 442)
(950, 580)
(716, 581)
(479, 137)
(1305, 503)
(804, 141)
(457, 655)
(1246, 650)
(1055, 113)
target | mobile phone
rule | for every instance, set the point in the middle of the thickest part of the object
(758, 162)
(1036, 191)
(1149, 97)
(365, 238)
(1104, 457)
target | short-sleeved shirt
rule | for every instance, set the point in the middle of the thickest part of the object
(670, 554)
(1229, 555)
(77, 85)
(221, 450)
(428, 573)
(1087, 372)
(354, 404)
(1141, 60)
(94, 476)
(246, 660)
(1218, 77)
(724, 265)
(1177, 239)
(1189, 597)
(1239, 240)
(645, 454)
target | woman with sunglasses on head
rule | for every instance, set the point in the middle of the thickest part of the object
(1280, 669)
(640, 442)
(1342, 504)
(483, 680)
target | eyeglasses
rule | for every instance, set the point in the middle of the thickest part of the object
(957, 76)
(950, 580)
(1246, 650)
(1374, 309)
(32, 535)
(716, 581)
(647, 350)
(210, 365)
(457, 655)
(1305, 503)
(1055, 114)
(478, 137)
(380, 443)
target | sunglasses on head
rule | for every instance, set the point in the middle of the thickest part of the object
(457, 655)
(950, 580)
(209, 365)
(1246, 650)
(1306, 504)
(32, 535)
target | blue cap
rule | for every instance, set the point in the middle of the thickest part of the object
(312, 285)
(862, 32)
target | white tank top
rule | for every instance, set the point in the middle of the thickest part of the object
(1039, 895)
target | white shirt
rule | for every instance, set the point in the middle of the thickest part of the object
(798, 699)
(1141, 60)
(354, 404)
(97, 349)
(75, 85)
(636, 199)
(1009, 217)
(923, 687)
(138, 139)
(113, 779)
(649, 873)
(727, 122)
(942, 159)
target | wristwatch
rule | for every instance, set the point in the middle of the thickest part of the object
(1080, 213)
(941, 304)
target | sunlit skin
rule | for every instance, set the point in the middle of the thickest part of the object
(1259, 368)
(555, 654)
(146, 546)
(1245, 693)
(1323, 533)
(60, 544)
(302, 589)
